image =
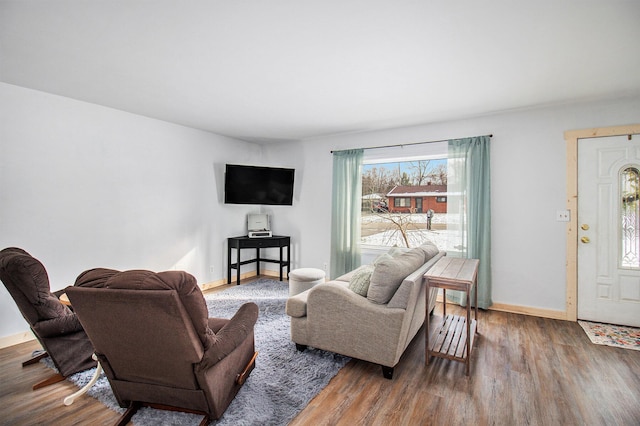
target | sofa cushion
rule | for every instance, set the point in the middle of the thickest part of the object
(396, 251)
(401, 297)
(360, 280)
(388, 274)
(430, 250)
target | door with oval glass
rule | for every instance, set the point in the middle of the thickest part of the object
(609, 230)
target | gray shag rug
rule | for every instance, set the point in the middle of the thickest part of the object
(283, 382)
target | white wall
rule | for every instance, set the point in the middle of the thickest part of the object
(84, 186)
(528, 167)
(308, 222)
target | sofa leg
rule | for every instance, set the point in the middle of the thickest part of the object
(387, 372)
(300, 347)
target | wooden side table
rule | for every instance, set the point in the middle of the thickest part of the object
(450, 340)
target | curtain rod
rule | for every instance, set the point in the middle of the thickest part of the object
(402, 144)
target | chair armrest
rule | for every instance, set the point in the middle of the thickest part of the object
(231, 335)
(65, 324)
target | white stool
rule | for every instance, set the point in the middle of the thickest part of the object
(303, 279)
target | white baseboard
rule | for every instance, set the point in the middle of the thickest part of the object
(524, 310)
(223, 281)
(15, 339)
(527, 310)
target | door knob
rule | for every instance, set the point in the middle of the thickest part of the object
(584, 227)
(585, 240)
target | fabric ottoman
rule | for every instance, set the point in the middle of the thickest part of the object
(303, 279)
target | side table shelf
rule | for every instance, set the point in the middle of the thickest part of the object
(450, 340)
(455, 337)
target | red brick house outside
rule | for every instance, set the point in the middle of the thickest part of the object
(418, 199)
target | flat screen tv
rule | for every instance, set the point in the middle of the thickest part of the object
(258, 185)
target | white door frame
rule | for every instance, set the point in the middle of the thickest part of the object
(572, 137)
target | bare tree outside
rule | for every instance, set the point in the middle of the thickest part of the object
(439, 174)
(420, 171)
(411, 232)
(377, 180)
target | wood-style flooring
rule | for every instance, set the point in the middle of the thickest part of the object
(524, 371)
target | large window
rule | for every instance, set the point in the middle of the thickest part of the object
(404, 197)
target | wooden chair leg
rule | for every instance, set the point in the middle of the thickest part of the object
(49, 381)
(35, 358)
(126, 417)
(240, 378)
(205, 421)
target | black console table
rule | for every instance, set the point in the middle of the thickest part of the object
(245, 242)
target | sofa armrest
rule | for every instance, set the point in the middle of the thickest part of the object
(297, 305)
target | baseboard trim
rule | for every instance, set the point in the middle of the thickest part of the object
(223, 281)
(524, 310)
(213, 284)
(16, 339)
(527, 310)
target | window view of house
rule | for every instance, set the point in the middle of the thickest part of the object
(404, 203)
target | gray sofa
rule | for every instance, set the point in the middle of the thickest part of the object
(371, 313)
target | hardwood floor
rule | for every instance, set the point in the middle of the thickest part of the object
(524, 371)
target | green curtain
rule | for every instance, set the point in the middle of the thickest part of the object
(345, 211)
(469, 201)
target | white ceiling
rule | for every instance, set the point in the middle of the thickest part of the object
(286, 70)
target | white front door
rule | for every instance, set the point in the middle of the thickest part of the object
(608, 230)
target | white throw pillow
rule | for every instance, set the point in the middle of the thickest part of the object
(360, 280)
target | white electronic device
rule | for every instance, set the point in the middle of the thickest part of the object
(258, 226)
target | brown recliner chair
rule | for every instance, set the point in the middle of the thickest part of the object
(153, 336)
(54, 324)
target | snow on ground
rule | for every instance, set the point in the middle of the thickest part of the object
(444, 239)
(415, 217)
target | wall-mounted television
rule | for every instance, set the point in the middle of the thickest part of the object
(258, 185)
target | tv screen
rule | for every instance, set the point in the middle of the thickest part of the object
(258, 185)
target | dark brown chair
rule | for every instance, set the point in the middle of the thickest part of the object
(54, 324)
(153, 336)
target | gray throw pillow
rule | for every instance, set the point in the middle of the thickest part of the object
(429, 249)
(360, 280)
(389, 273)
(395, 251)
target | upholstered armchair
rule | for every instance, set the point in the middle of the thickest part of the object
(153, 336)
(54, 324)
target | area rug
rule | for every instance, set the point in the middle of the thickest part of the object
(281, 385)
(612, 335)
